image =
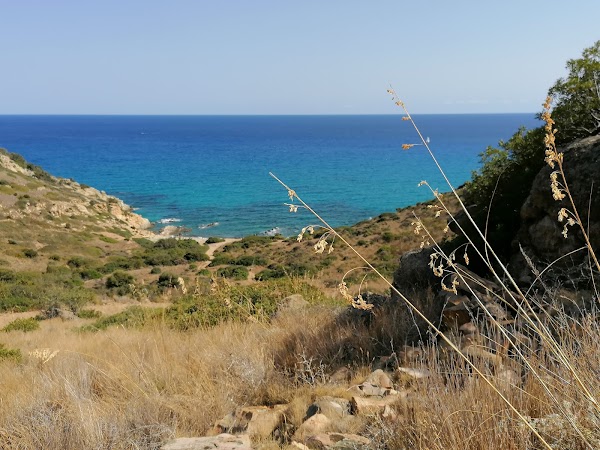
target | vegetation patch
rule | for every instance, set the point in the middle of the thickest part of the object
(24, 325)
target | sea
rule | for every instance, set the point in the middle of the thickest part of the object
(210, 174)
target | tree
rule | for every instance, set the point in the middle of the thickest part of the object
(577, 98)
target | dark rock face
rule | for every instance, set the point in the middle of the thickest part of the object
(540, 234)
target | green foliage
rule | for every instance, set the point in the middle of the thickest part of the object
(259, 300)
(155, 270)
(214, 240)
(577, 97)
(244, 260)
(30, 253)
(167, 280)
(271, 272)
(22, 291)
(233, 272)
(10, 354)
(89, 314)
(24, 325)
(498, 190)
(132, 317)
(170, 252)
(120, 282)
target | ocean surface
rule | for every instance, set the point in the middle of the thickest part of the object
(211, 173)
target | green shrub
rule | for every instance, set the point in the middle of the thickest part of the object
(221, 259)
(250, 260)
(10, 354)
(233, 272)
(167, 280)
(30, 253)
(155, 270)
(214, 240)
(88, 314)
(204, 273)
(120, 282)
(90, 274)
(132, 317)
(275, 271)
(24, 325)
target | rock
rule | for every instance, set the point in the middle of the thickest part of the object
(415, 374)
(341, 376)
(319, 423)
(379, 378)
(540, 233)
(368, 390)
(413, 273)
(469, 328)
(454, 317)
(508, 378)
(339, 441)
(478, 353)
(411, 354)
(374, 405)
(219, 442)
(295, 301)
(257, 421)
(332, 407)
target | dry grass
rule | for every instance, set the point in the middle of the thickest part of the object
(125, 388)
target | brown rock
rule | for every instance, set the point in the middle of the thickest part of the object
(339, 441)
(259, 421)
(368, 390)
(478, 353)
(379, 378)
(342, 375)
(219, 442)
(334, 408)
(415, 374)
(469, 328)
(319, 423)
(372, 405)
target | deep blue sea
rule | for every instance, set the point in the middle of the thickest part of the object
(202, 170)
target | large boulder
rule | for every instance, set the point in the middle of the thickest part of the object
(540, 234)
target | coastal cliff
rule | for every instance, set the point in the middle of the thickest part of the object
(27, 192)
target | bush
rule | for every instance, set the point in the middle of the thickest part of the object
(272, 272)
(132, 317)
(233, 272)
(23, 325)
(30, 253)
(214, 240)
(89, 314)
(155, 270)
(10, 354)
(120, 281)
(167, 280)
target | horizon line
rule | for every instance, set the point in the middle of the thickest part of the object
(259, 115)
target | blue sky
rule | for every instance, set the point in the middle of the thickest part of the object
(286, 57)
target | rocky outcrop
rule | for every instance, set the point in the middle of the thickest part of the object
(541, 233)
(50, 198)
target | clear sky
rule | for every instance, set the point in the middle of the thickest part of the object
(284, 56)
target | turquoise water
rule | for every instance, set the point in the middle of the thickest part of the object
(199, 170)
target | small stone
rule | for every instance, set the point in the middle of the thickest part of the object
(342, 375)
(479, 353)
(379, 378)
(368, 390)
(339, 441)
(415, 374)
(469, 328)
(219, 442)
